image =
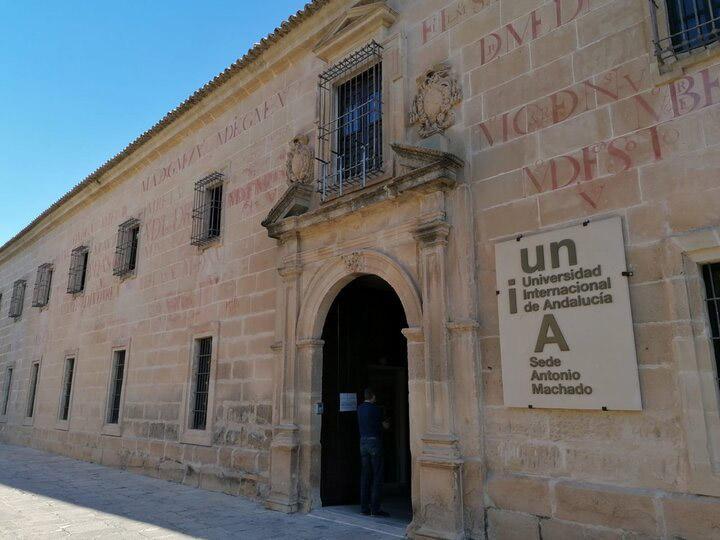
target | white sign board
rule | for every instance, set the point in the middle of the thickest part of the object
(348, 402)
(566, 333)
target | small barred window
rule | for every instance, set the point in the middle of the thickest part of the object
(34, 372)
(43, 281)
(207, 209)
(682, 26)
(118, 376)
(126, 248)
(78, 270)
(17, 298)
(6, 391)
(201, 383)
(350, 128)
(66, 395)
(711, 276)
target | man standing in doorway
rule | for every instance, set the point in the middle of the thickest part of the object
(371, 425)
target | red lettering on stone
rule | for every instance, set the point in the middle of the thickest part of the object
(489, 51)
(680, 92)
(708, 86)
(532, 23)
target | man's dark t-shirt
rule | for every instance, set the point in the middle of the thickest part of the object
(369, 420)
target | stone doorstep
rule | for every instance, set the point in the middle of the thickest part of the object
(348, 515)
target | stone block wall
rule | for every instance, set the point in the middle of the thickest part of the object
(566, 116)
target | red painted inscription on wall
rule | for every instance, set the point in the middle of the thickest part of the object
(643, 115)
(443, 20)
(530, 27)
(240, 124)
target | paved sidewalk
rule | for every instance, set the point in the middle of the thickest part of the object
(48, 496)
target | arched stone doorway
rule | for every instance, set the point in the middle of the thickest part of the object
(400, 231)
(363, 346)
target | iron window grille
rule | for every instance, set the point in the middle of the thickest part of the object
(201, 383)
(126, 248)
(43, 282)
(118, 374)
(67, 388)
(34, 372)
(207, 209)
(78, 270)
(711, 277)
(6, 390)
(350, 123)
(682, 26)
(17, 298)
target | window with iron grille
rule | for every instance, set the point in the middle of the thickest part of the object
(17, 298)
(681, 26)
(34, 372)
(116, 384)
(207, 209)
(78, 270)
(6, 390)
(67, 388)
(201, 383)
(126, 248)
(43, 281)
(711, 277)
(350, 127)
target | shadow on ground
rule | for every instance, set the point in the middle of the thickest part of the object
(44, 495)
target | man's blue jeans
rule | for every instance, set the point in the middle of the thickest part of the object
(371, 479)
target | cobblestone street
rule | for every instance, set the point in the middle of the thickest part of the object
(48, 496)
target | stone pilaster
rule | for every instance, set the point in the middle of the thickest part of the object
(440, 464)
(309, 377)
(284, 450)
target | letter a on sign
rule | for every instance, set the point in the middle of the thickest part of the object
(550, 333)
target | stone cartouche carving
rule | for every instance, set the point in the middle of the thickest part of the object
(299, 164)
(354, 262)
(438, 92)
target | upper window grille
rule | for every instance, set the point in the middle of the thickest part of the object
(681, 26)
(67, 388)
(207, 209)
(711, 277)
(127, 247)
(201, 383)
(118, 375)
(34, 372)
(17, 298)
(78, 269)
(43, 281)
(6, 391)
(350, 125)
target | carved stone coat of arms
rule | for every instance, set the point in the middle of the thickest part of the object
(299, 163)
(438, 92)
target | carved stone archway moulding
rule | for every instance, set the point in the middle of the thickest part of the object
(438, 91)
(307, 287)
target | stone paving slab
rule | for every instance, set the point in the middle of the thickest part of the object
(43, 495)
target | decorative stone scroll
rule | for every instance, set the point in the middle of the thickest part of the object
(299, 163)
(438, 92)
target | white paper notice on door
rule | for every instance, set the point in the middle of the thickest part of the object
(348, 402)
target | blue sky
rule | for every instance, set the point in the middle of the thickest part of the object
(79, 80)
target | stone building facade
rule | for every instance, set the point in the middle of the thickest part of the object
(168, 315)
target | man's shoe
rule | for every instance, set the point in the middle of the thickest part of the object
(381, 513)
(365, 512)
